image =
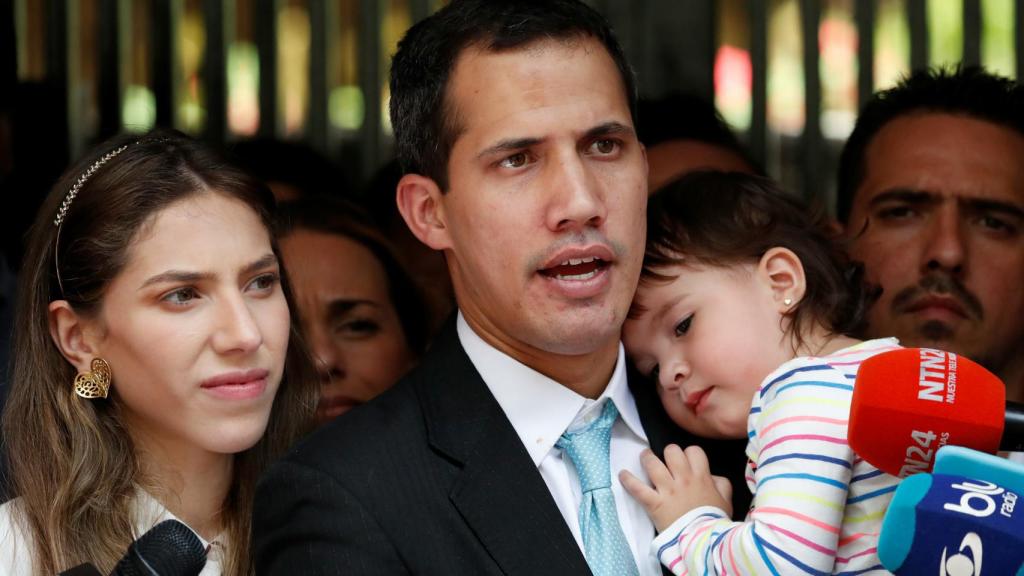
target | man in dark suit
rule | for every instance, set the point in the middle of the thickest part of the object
(514, 124)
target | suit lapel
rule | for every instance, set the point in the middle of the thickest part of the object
(498, 491)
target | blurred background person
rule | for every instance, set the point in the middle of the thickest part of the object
(361, 315)
(683, 132)
(931, 189)
(152, 352)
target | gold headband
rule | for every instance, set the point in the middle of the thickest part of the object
(66, 204)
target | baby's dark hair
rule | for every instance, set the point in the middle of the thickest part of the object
(728, 218)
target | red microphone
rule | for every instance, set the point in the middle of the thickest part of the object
(908, 403)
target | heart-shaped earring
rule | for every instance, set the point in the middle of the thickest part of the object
(96, 382)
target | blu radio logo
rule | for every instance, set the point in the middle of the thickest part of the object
(961, 564)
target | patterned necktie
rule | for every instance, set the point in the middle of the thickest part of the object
(607, 552)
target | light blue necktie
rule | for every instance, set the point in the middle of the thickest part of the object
(607, 552)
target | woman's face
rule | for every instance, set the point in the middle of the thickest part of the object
(348, 319)
(195, 328)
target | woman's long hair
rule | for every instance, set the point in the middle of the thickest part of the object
(73, 463)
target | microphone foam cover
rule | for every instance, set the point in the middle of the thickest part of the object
(169, 549)
(908, 403)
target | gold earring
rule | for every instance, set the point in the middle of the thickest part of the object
(787, 301)
(96, 382)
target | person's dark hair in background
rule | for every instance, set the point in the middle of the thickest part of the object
(365, 329)
(425, 265)
(967, 91)
(425, 121)
(291, 169)
(684, 132)
(931, 192)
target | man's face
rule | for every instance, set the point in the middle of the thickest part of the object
(938, 224)
(545, 212)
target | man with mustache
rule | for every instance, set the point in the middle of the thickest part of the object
(931, 190)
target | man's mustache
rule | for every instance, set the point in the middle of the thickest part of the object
(938, 284)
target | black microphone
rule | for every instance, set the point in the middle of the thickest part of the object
(168, 549)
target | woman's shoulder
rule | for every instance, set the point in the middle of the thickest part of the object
(15, 542)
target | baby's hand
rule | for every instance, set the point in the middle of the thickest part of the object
(682, 483)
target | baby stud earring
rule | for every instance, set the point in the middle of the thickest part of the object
(788, 301)
(94, 383)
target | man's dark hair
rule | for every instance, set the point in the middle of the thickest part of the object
(687, 116)
(720, 219)
(425, 123)
(962, 91)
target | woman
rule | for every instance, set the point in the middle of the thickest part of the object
(362, 317)
(153, 373)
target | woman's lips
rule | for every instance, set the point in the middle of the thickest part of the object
(237, 385)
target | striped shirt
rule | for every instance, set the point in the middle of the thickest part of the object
(817, 506)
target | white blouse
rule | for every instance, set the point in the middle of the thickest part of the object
(16, 548)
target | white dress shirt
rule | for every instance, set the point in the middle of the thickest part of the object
(541, 409)
(16, 547)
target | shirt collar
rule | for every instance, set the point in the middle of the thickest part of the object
(539, 408)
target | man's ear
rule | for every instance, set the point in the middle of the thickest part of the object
(783, 273)
(75, 338)
(421, 203)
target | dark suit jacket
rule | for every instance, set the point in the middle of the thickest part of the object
(429, 478)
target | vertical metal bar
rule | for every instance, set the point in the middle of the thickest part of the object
(265, 24)
(759, 80)
(810, 18)
(8, 57)
(161, 33)
(109, 77)
(215, 72)
(57, 71)
(917, 19)
(1018, 19)
(865, 13)
(370, 79)
(972, 32)
(317, 122)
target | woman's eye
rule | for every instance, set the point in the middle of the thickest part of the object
(360, 328)
(684, 326)
(517, 160)
(181, 296)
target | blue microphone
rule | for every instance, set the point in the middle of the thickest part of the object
(956, 524)
(980, 466)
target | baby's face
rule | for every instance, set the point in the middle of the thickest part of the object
(709, 336)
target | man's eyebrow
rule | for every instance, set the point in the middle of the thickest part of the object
(989, 205)
(903, 195)
(509, 145)
(608, 129)
(516, 144)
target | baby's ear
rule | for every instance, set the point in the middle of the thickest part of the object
(781, 270)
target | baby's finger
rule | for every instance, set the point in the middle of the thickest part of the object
(644, 494)
(676, 461)
(698, 461)
(660, 475)
(724, 487)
